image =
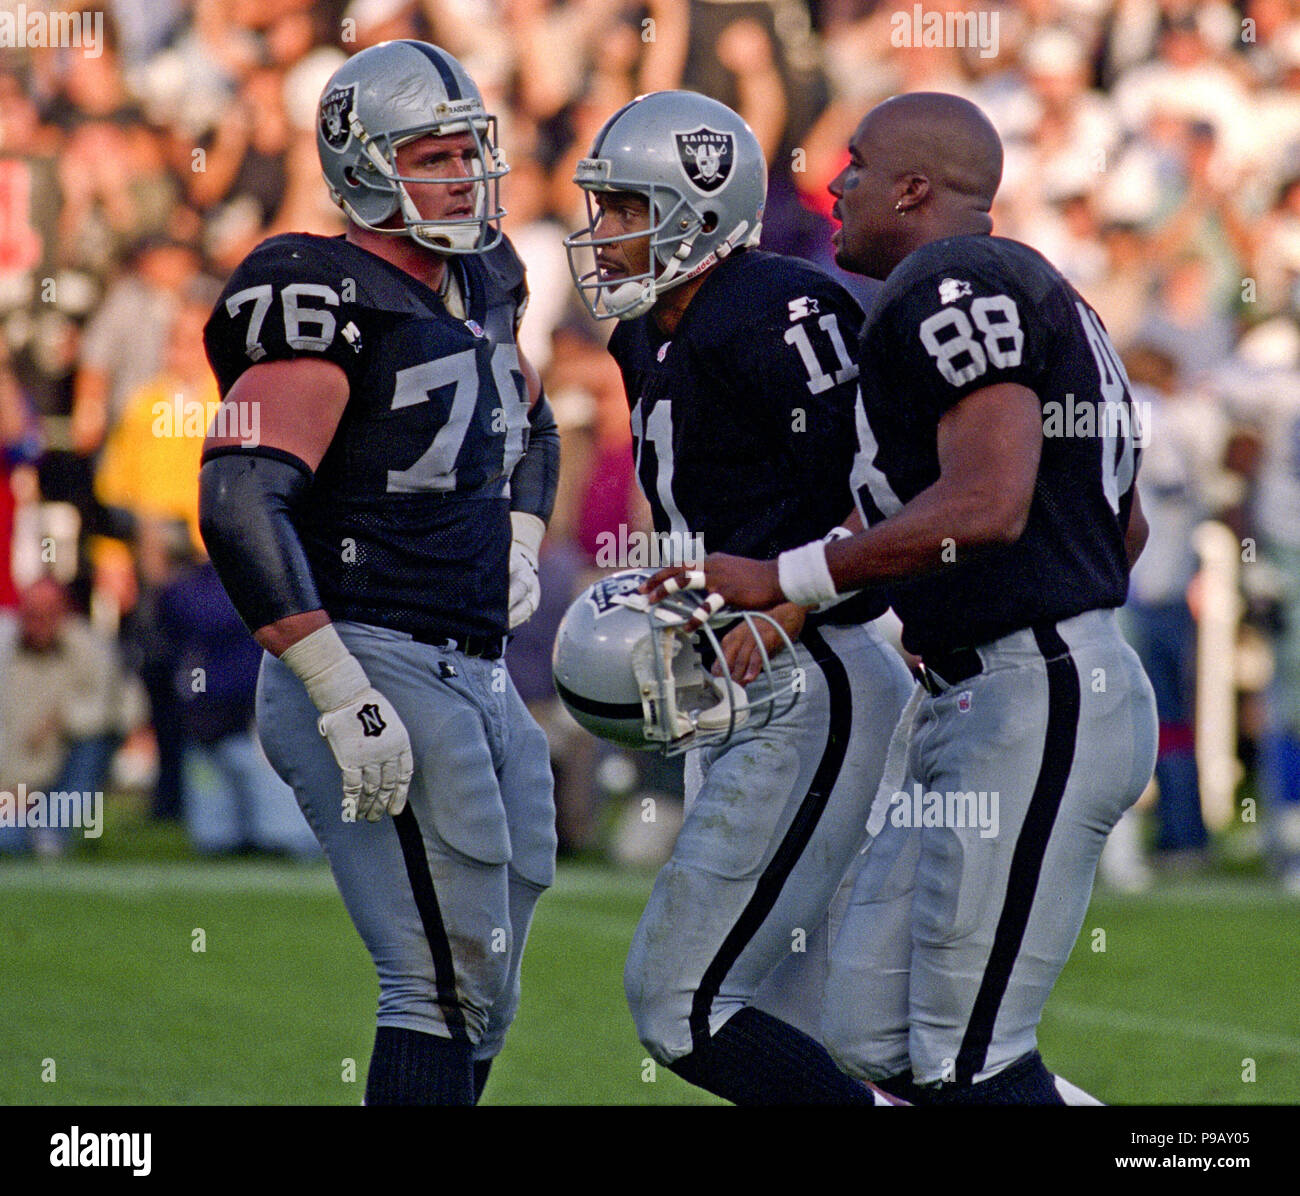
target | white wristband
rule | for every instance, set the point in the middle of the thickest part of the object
(332, 675)
(527, 530)
(805, 576)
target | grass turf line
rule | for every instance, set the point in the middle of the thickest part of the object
(101, 977)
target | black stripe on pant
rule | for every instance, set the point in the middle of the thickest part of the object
(426, 901)
(1031, 846)
(792, 846)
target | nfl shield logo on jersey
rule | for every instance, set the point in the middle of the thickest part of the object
(707, 157)
(334, 111)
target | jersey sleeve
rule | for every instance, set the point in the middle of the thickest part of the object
(795, 371)
(949, 334)
(508, 272)
(287, 301)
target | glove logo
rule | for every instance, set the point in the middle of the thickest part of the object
(372, 723)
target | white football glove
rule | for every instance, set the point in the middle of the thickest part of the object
(525, 589)
(364, 732)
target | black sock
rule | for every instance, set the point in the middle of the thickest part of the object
(1024, 1082)
(481, 1069)
(411, 1068)
(756, 1059)
(905, 1088)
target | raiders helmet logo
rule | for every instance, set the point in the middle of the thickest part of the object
(335, 108)
(602, 594)
(707, 157)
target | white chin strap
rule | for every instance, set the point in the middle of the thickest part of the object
(634, 298)
(631, 299)
(461, 235)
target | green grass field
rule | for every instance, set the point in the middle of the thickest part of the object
(100, 975)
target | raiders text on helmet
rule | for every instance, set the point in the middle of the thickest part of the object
(700, 168)
(382, 98)
(628, 674)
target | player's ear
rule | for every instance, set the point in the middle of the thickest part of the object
(911, 192)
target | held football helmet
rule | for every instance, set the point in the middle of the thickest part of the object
(382, 98)
(702, 172)
(628, 674)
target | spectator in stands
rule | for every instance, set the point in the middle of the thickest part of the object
(232, 799)
(148, 479)
(1185, 437)
(60, 708)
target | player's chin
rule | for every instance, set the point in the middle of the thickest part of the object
(845, 259)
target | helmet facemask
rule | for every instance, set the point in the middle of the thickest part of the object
(674, 224)
(378, 171)
(683, 705)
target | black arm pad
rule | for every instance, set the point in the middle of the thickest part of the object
(247, 499)
(537, 476)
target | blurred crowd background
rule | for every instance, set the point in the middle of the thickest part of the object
(1152, 153)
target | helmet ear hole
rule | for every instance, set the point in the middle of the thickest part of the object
(350, 176)
(710, 221)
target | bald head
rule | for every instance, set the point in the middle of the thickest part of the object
(923, 166)
(943, 137)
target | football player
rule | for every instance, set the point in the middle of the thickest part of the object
(996, 459)
(379, 534)
(741, 391)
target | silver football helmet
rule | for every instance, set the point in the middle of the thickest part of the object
(382, 98)
(702, 172)
(627, 673)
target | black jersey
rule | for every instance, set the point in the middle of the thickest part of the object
(956, 316)
(407, 524)
(743, 419)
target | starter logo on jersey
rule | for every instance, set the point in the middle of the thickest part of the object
(707, 157)
(952, 289)
(802, 307)
(335, 109)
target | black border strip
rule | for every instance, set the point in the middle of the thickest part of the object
(426, 901)
(793, 845)
(1031, 846)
